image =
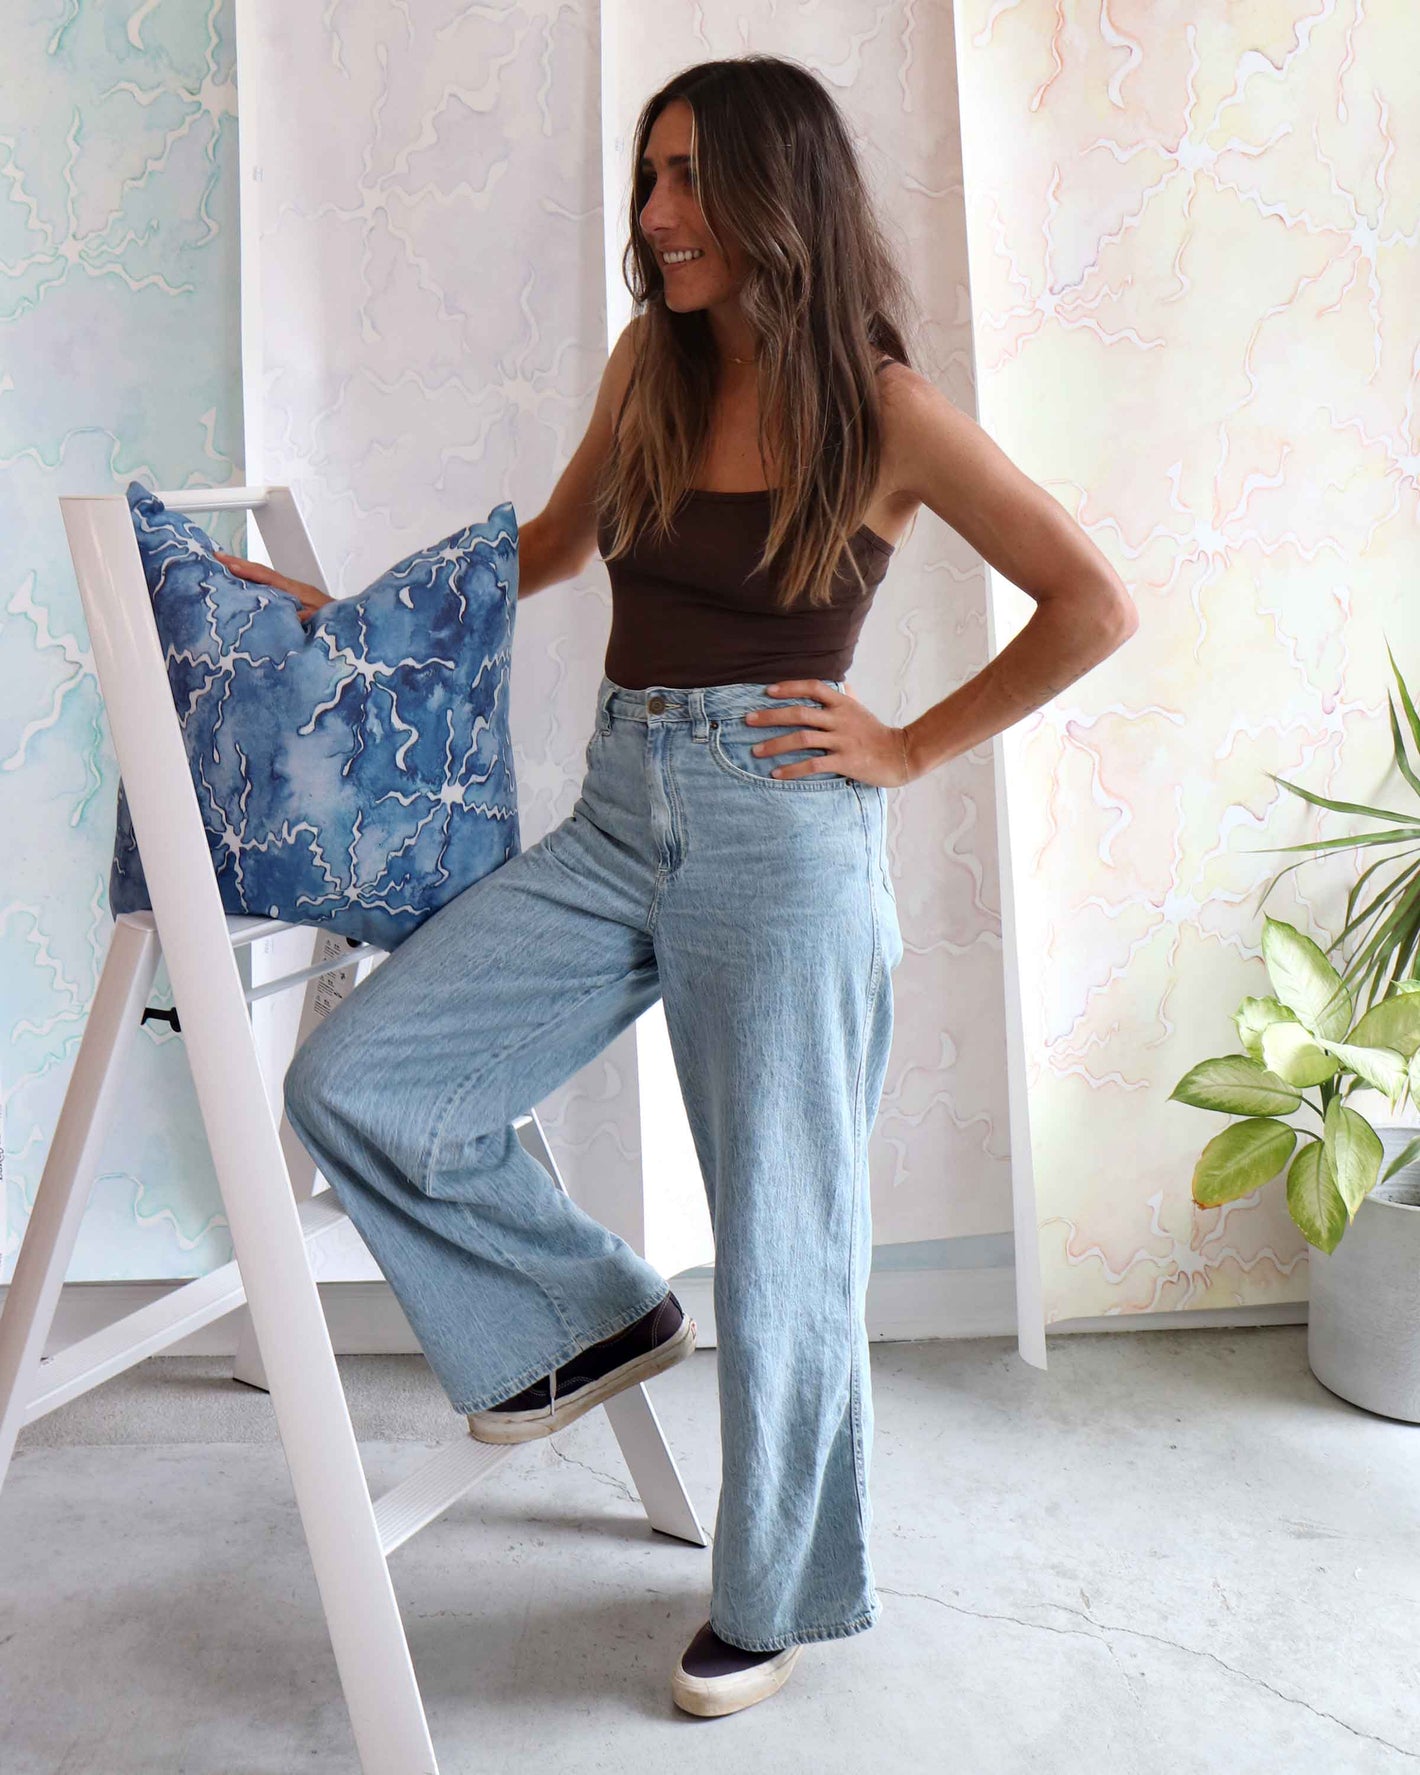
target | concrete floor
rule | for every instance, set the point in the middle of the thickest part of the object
(1175, 1551)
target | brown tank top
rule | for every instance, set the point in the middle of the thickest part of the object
(691, 608)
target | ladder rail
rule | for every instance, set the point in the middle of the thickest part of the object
(148, 1330)
(273, 1208)
(313, 1418)
(268, 988)
(89, 1103)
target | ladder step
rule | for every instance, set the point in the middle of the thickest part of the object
(149, 1330)
(241, 930)
(214, 499)
(429, 1490)
(268, 987)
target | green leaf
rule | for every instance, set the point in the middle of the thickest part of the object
(1393, 1023)
(1305, 980)
(1314, 847)
(1313, 1200)
(1397, 890)
(1291, 1053)
(1401, 1159)
(1406, 835)
(1346, 807)
(1241, 1159)
(1253, 1015)
(1381, 1067)
(1387, 939)
(1406, 702)
(1402, 762)
(1354, 1153)
(1404, 960)
(1236, 1085)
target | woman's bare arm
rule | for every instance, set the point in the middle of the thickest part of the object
(558, 543)
(940, 456)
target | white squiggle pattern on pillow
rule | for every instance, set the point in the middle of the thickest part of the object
(354, 772)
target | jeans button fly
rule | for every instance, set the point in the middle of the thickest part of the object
(656, 704)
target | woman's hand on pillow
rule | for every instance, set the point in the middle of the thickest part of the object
(309, 597)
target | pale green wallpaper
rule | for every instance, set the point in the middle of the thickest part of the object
(119, 357)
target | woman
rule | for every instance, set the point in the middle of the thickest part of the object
(758, 446)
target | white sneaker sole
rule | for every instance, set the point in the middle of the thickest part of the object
(711, 1696)
(543, 1420)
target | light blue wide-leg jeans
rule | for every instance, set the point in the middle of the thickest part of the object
(761, 911)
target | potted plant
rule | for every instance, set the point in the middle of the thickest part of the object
(1393, 912)
(1363, 1329)
(1359, 1173)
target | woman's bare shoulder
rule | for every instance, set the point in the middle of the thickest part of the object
(903, 394)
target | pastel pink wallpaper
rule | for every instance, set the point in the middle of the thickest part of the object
(1192, 237)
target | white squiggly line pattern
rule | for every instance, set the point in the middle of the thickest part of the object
(333, 761)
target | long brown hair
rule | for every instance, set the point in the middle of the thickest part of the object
(775, 167)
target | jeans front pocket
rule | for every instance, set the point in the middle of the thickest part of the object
(732, 742)
(600, 735)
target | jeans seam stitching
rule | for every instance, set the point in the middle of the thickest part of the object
(886, 869)
(860, 1183)
(679, 824)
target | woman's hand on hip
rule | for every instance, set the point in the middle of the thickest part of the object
(309, 597)
(855, 743)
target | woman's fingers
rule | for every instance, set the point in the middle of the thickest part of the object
(309, 597)
(245, 569)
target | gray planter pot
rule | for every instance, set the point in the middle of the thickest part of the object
(1363, 1332)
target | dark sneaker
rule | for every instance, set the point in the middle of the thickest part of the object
(654, 1343)
(713, 1677)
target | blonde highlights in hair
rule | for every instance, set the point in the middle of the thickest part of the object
(775, 167)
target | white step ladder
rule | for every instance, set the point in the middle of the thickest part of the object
(267, 1181)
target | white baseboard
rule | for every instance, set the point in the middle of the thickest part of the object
(904, 1305)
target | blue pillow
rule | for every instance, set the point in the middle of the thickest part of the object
(356, 771)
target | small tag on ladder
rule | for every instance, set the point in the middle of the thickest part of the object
(329, 989)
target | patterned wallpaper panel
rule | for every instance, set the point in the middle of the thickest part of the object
(1195, 288)
(119, 358)
(425, 223)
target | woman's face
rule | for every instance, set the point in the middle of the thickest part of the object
(672, 222)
